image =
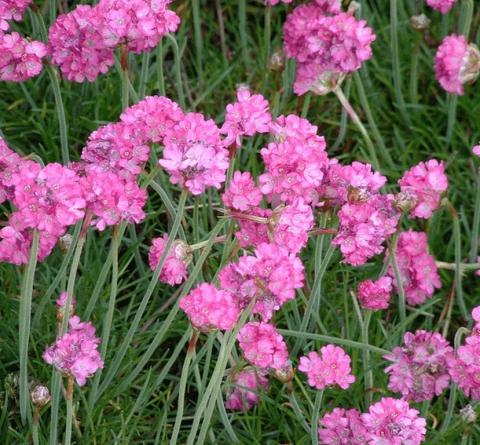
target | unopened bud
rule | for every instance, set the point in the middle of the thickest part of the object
(357, 194)
(40, 396)
(471, 70)
(327, 82)
(404, 201)
(285, 374)
(420, 22)
(65, 242)
(353, 8)
(468, 414)
(277, 61)
(182, 251)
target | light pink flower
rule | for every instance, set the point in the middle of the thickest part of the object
(476, 150)
(375, 295)
(444, 6)
(242, 193)
(244, 395)
(12, 10)
(329, 367)
(263, 346)
(175, 268)
(209, 308)
(9, 163)
(276, 2)
(75, 353)
(392, 422)
(342, 427)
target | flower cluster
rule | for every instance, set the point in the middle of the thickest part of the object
(12, 10)
(75, 353)
(419, 369)
(342, 427)
(244, 394)
(443, 6)
(375, 295)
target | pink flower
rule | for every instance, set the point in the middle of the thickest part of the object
(263, 346)
(420, 368)
(62, 300)
(118, 148)
(76, 44)
(9, 163)
(418, 270)
(444, 6)
(295, 163)
(242, 193)
(175, 268)
(476, 150)
(456, 63)
(375, 295)
(194, 155)
(465, 367)
(75, 353)
(113, 199)
(244, 395)
(20, 59)
(393, 422)
(246, 117)
(424, 183)
(154, 117)
(364, 226)
(12, 10)
(342, 427)
(209, 308)
(276, 2)
(329, 367)
(329, 6)
(253, 233)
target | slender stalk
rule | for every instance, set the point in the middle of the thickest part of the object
(315, 417)
(35, 424)
(356, 120)
(414, 70)
(178, 70)
(242, 28)
(160, 74)
(144, 74)
(69, 400)
(24, 321)
(398, 278)
(268, 33)
(197, 31)
(458, 259)
(52, 10)
(476, 223)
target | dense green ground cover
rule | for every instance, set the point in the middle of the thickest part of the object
(221, 44)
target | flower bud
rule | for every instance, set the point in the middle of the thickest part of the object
(285, 374)
(65, 242)
(471, 70)
(277, 61)
(327, 82)
(468, 414)
(404, 201)
(40, 396)
(420, 22)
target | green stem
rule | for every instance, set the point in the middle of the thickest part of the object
(35, 422)
(458, 259)
(178, 70)
(414, 70)
(242, 29)
(476, 223)
(315, 417)
(356, 120)
(197, 30)
(160, 74)
(144, 74)
(25, 313)
(68, 424)
(268, 33)
(399, 284)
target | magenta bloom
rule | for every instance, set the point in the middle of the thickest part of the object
(246, 117)
(12, 10)
(276, 2)
(375, 295)
(9, 163)
(76, 44)
(175, 268)
(194, 155)
(20, 59)
(253, 233)
(420, 367)
(476, 150)
(329, 367)
(444, 6)
(295, 163)
(425, 183)
(329, 6)
(154, 117)
(418, 270)
(263, 346)
(75, 354)
(392, 422)
(248, 383)
(209, 308)
(456, 63)
(242, 193)
(342, 427)
(364, 226)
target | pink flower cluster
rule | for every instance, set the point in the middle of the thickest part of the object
(326, 44)
(12, 10)
(82, 42)
(75, 353)
(329, 367)
(418, 270)
(175, 268)
(247, 384)
(419, 369)
(423, 184)
(375, 295)
(388, 422)
(444, 6)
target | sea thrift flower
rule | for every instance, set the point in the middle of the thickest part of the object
(40, 396)
(329, 367)
(76, 45)
(476, 150)
(375, 295)
(194, 155)
(175, 268)
(242, 193)
(424, 183)
(20, 59)
(62, 301)
(329, 6)
(248, 383)
(418, 270)
(295, 162)
(9, 163)
(364, 226)
(276, 2)
(420, 367)
(75, 353)
(456, 63)
(154, 117)
(209, 308)
(246, 117)
(342, 427)
(443, 6)
(139, 24)
(392, 422)
(118, 148)
(12, 10)
(253, 233)
(263, 346)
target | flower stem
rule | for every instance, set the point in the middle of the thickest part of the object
(69, 399)
(356, 120)
(178, 70)
(476, 223)
(398, 279)
(35, 422)
(202, 244)
(24, 313)
(197, 30)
